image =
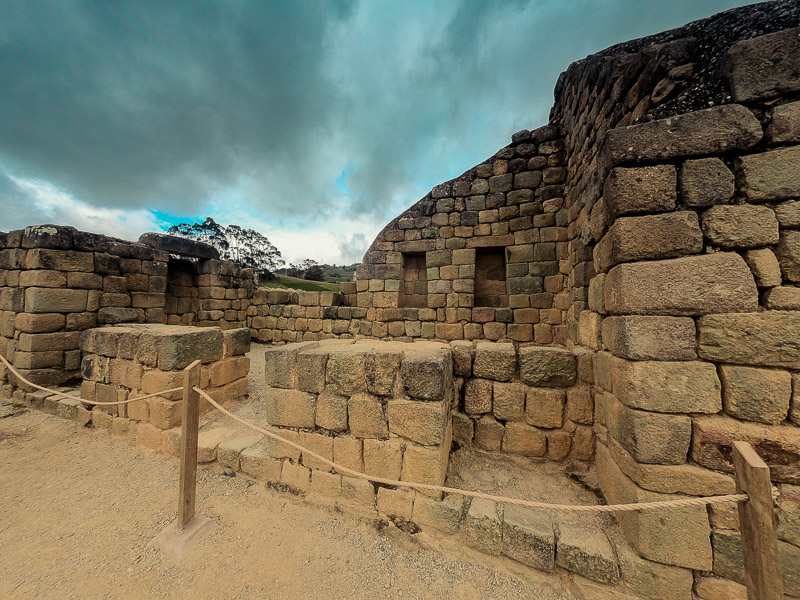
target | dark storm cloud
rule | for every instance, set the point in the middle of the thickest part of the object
(170, 106)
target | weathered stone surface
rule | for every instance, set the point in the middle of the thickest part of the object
(483, 527)
(782, 298)
(740, 226)
(693, 285)
(178, 347)
(462, 358)
(207, 441)
(789, 513)
(650, 338)
(494, 361)
(754, 394)
(710, 131)
(421, 422)
(523, 439)
(331, 411)
(705, 182)
(178, 245)
(229, 451)
(586, 551)
(528, 537)
(508, 402)
(640, 189)
(544, 407)
(309, 369)
(771, 175)
(788, 254)
(765, 66)
(547, 367)
(326, 484)
(653, 580)
(319, 444)
(295, 476)
(788, 214)
(715, 588)
(477, 396)
(256, 462)
(445, 515)
(770, 339)
(48, 300)
(382, 368)
(348, 452)
(679, 537)
(669, 387)
(346, 370)
(427, 373)
(396, 503)
(785, 124)
(425, 465)
(279, 365)
(366, 416)
(649, 237)
(778, 445)
(383, 458)
(489, 433)
(765, 267)
(290, 408)
(651, 438)
(671, 479)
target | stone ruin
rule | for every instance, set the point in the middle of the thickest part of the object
(617, 291)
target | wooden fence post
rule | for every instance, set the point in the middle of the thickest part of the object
(189, 432)
(759, 541)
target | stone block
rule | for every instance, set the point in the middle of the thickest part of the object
(462, 357)
(508, 402)
(421, 422)
(705, 182)
(494, 361)
(650, 338)
(49, 300)
(425, 465)
(427, 373)
(489, 433)
(279, 449)
(229, 450)
(347, 452)
(544, 407)
(237, 341)
(227, 370)
(396, 502)
(679, 537)
(788, 254)
(765, 267)
(290, 408)
(649, 237)
(164, 414)
(477, 396)
(443, 515)
(528, 537)
(256, 462)
(383, 458)
(653, 580)
(310, 369)
(584, 550)
(771, 175)
(785, 124)
(279, 365)
(640, 189)
(754, 394)
(764, 339)
(715, 588)
(178, 347)
(547, 367)
(39, 323)
(740, 226)
(483, 527)
(764, 66)
(463, 428)
(366, 416)
(208, 441)
(693, 285)
(788, 214)
(326, 484)
(715, 130)
(669, 387)
(331, 411)
(777, 445)
(150, 436)
(382, 368)
(297, 477)
(361, 492)
(782, 298)
(319, 444)
(523, 439)
(345, 373)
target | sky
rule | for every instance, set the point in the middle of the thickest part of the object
(313, 122)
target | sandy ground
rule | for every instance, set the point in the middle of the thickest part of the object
(79, 507)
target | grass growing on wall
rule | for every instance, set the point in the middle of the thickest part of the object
(294, 283)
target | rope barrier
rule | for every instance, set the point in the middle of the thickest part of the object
(600, 508)
(16, 373)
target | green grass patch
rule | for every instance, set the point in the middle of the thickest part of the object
(294, 283)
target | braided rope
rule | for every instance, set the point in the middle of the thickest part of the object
(601, 508)
(11, 368)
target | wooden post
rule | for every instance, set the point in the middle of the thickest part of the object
(190, 424)
(759, 541)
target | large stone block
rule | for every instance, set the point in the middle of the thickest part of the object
(585, 551)
(178, 347)
(382, 368)
(489, 433)
(49, 300)
(768, 338)
(346, 370)
(754, 394)
(771, 175)
(279, 365)
(650, 338)
(640, 189)
(331, 411)
(310, 369)
(427, 374)
(679, 537)
(421, 422)
(709, 131)
(547, 367)
(785, 124)
(668, 387)
(477, 396)
(348, 452)
(765, 267)
(290, 408)
(740, 226)
(483, 527)
(528, 537)
(705, 182)
(523, 439)
(649, 237)
(366, 416)
(508, 403)
(764, 66)
(544, 407)
(782, 298)
(383, 458)
(444, 515)
(693, 285)
(494, 361)
(319, 444)
(425, 465)
(653, 580)
(778, 445)
(788, 254)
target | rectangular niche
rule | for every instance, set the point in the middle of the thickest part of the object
(414, 292)
(490, 277)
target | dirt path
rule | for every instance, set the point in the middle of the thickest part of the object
(79, 507)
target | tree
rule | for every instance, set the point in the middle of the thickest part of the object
(247, 247)
(313, 273)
